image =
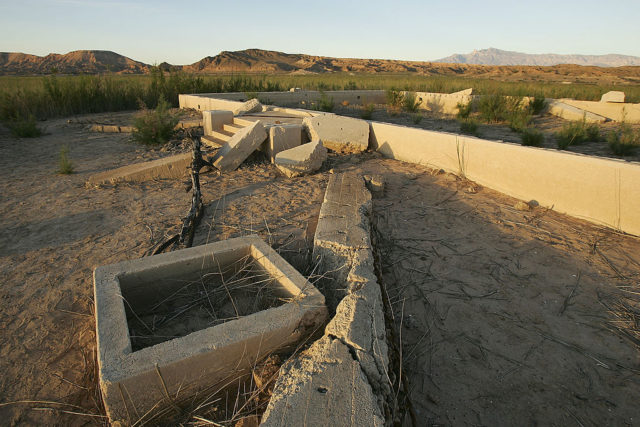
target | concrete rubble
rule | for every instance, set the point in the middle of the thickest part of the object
(350, 362)
(342, 134)
(613, 96)
(250, 106)
(301, 160)
(281, 138)
(240, 146)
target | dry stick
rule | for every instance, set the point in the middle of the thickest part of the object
(227, 289)
(610, 264)
(166, 391)
(568, 298)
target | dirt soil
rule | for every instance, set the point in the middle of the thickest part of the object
(507, 316)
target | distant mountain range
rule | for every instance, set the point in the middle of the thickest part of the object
(494, 56)
(266, 61)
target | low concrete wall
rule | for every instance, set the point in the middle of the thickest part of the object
(602, 191)
(442, 103)
(618, 112)
(232, 100)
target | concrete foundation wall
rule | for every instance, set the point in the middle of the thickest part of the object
(232, 100)
(602, 191)
(442, 103)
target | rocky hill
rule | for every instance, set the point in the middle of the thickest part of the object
(76, 62)
(265, 61)
(494, 56)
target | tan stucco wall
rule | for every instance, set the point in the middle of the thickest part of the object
(602, 191)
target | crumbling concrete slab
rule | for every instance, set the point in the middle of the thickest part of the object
(342, 134)
(214, 120)
(323, 387)
(569, 112)
(317, 383)
(613, 96)
(375, 184)
(240, 146)
(250, 106)
(282, 138)
(301, 160)
(134, 382)
(168, 167)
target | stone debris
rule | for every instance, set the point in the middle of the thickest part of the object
(375, 184)
(613, 96)
(301, 160)
(342, 134)
(214, 120)
(250, 106)
(239, 147)
(281, 138)
(522, 206)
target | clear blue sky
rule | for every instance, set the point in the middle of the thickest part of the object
(182, 32)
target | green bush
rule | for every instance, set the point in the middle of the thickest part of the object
(572, 133)
(519, 119)
(152, 127)
(492, 108)
(326, 103)
(537, 105)
(409, 102)
(464, 110)
(351, 85)
(593, 132)
(416, 118)
(469, 126)
(532, 137)
(394, 98)
(24, 128)
(367, 111)
(625, 142)
(65, 167)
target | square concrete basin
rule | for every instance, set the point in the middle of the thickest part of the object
(155, 376)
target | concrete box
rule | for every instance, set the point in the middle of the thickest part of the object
(342, 134)
(281, 138)
(301, 160)
(135, 382)
(214, 120)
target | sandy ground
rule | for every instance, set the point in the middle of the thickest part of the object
(507, 316)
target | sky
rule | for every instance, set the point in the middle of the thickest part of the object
(183, 32)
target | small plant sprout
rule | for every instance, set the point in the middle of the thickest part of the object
(65, 167)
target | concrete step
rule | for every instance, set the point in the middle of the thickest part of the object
(212, 142)
(222, 135)
(232, 128)
(241, 122)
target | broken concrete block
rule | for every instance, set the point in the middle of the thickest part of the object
(342, 134)
(303, 159)
(214, 120)
(251, 106)
(239, 147)
(281, 138)
(613, 96)
(324, 386)
(569, 112)
(168, 167)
